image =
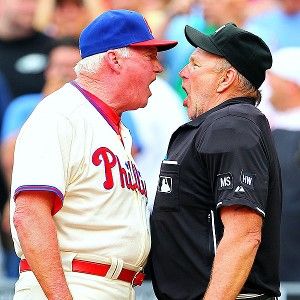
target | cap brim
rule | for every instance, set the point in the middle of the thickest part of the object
(161, 45)
(200, 40)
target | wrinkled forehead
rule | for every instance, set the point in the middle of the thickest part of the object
(200, 54)
(144, 50)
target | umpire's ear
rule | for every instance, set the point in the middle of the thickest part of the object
(226, 79)
(113, 60)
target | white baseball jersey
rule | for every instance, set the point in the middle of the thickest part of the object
(70, 146)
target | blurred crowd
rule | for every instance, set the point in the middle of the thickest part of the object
(39, 48)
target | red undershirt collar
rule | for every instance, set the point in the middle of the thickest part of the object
(108, 113)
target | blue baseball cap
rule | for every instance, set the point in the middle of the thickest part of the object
(115, 29)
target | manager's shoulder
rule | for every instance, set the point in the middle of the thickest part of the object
(64, 101)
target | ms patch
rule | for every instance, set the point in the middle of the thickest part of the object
(225, 181)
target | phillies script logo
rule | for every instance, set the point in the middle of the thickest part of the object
(129, 177)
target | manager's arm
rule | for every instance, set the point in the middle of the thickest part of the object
(235, 253)
(38, 238)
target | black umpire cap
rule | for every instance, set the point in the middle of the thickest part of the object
(245, 51)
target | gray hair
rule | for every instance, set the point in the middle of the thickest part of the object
(244, 85)
(92, 63)
(249, 89)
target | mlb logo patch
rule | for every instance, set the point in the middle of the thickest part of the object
(225, 181)
(164, 184)
(247, 179)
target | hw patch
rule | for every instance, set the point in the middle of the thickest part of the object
(164, 184)
(225, 181)
(247, 179)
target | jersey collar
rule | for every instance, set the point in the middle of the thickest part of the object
(111, 117)
(196, 122)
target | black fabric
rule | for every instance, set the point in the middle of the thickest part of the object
(232, 140)
(23, 62)
(245, 51)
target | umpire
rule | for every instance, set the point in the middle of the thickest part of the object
(216, 217)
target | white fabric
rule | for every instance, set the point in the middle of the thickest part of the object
(55, 148)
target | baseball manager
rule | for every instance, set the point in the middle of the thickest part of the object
(78, 202)
(216, 218)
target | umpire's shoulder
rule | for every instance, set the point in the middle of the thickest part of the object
(237, 113)
(240, 125)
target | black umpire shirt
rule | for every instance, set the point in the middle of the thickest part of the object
(224, 157)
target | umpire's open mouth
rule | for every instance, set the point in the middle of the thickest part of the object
(187, 95)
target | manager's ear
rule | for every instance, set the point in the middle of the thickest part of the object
(113, 60)
(227, 79)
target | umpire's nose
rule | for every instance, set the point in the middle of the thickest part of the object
(184, 73)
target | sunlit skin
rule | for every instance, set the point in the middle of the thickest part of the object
(142, 67)
(123, 82)
(200, 80)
